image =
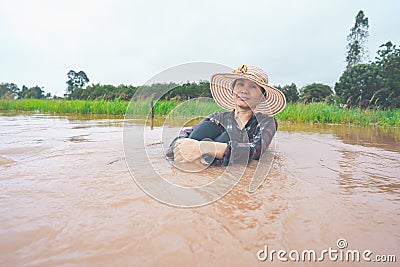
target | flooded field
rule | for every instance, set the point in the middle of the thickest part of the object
(67, 198)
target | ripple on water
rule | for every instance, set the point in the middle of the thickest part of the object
(5, 160)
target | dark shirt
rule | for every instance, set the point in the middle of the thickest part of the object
(242, 144)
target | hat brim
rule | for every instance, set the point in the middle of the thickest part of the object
(221, 86)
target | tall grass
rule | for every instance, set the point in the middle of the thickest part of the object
(324, 113)
(298, 112)
(64, 106)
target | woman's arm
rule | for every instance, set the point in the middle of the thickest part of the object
(190, 150)
(214, 149)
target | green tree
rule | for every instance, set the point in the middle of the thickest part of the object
(76, 80)
(9, 90)
(388, 60)
(316, 92)
(373, 85)
(356, 48)
(357, 85)
(189, 90)
(291, 92)
(22, 92)
(105, 91)
(33, 92)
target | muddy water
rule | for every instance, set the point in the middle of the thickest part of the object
(67, 198)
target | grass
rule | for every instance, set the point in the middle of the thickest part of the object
(324, 113)
(64, 106)
(305, 113)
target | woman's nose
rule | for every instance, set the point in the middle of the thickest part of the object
(244, 90)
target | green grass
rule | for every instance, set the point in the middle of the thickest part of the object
(306, 113)
(64, 106)
(324, 113)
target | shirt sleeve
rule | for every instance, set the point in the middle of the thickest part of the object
(243, 152)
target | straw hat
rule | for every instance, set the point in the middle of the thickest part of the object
(221, 86)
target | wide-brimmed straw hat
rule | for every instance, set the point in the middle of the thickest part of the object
(221, 86)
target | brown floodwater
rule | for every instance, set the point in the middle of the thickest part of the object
(67, 198)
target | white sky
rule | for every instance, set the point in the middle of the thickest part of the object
(128, 42)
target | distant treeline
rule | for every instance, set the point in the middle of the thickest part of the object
(11, 91)
(370, 85)
(172, 91)
(364, 86)
(373, 85)
(315, 92)
(110, 92)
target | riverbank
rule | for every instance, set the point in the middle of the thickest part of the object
(297, 112)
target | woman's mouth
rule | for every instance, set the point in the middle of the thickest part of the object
(244, 98)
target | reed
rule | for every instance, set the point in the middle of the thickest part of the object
(297, 112)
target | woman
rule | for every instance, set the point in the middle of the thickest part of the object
(239, 135)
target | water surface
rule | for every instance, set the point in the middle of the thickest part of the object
(67, 198)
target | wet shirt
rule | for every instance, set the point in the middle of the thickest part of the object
(242, 144)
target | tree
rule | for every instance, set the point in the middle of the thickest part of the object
(356, 48)
(76, 80)
(33, 92)
(291, 92)
(357, 85)
(373, 85)
(8, 90)
(189, 90)
(316, 92)
(22, 92)
(388, 60)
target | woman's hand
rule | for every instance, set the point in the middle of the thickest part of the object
(187, 150)
(190, 150)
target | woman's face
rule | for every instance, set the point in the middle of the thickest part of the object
(246, 94)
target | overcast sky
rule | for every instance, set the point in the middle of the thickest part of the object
(128, 42)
